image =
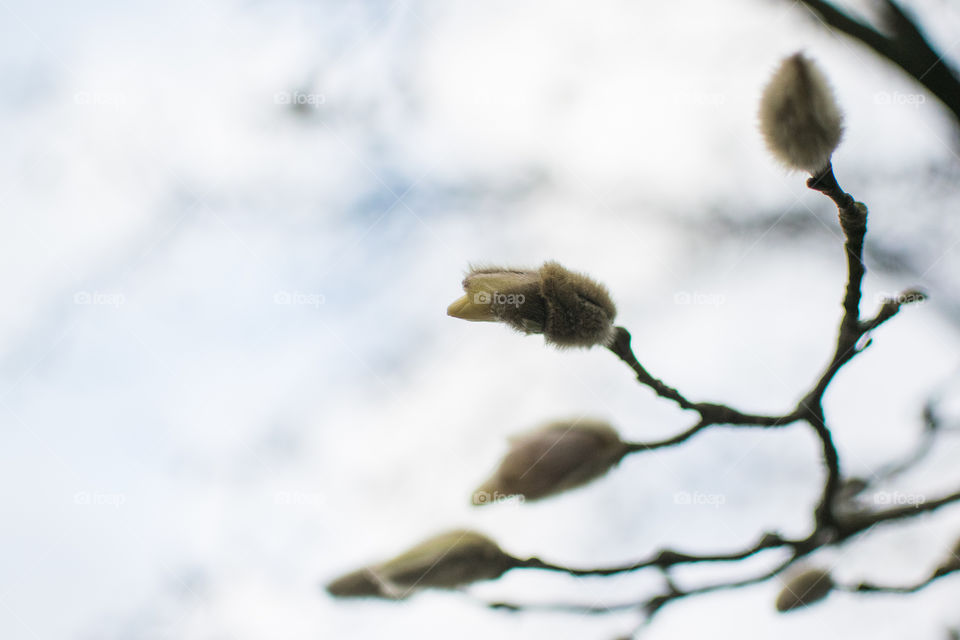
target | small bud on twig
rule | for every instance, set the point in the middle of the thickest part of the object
(446, 561)
(553, 459)
(799, 116)
(804, 589)
(568, 308)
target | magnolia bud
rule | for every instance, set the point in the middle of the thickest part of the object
(799, 116)
(494, 295)
(446, 561)
(360, 583)
(552, 459)
(804, 588)
(568, 308)
(952, 561)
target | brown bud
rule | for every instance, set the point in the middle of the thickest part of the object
(804, 588)
(357, 584)
(952, 560)
(568, 308)
(445, 561)
(799, 116)
(553, 459)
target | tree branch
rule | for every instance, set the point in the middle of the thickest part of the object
(829, 529)
(653, 605)
(710, 413)
(856, 523)
(905, 47)
(853, 221)
(824, 514)
(869, 587)
(665, 558)
(832, 525)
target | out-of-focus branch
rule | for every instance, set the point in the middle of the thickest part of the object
(824, 513)
(650, 606)
(862, 521)
(665, 558)
(891, 307)
(561, 607)
(933, 428)
(905, 46)
(653, 605)
(869, 587)
(683, 436)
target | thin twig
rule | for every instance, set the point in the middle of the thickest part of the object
(869, 587)
(665, 558)
(653, 605)
(710, 413)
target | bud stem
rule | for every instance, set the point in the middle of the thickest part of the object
(710, 413)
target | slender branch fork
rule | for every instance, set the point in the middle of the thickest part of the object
(837, 517)
(830, 526)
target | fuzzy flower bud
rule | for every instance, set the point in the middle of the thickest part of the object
(446, 561)
(553, 459)
(799, 116)
(804, 589)
(568, 308)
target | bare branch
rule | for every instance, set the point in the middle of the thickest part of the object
(905, 47)
(710, 413)
(862, 521)
(869, 587)
(836, 517)
(653, 605)
(666, 558)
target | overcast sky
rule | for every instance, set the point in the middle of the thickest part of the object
(229, 235)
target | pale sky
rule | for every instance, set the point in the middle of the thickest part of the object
(227, 375)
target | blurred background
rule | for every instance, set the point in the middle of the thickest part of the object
(229, 234)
